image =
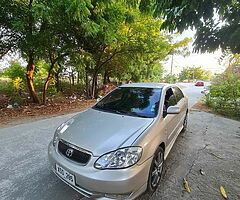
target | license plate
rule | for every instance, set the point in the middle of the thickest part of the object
(65, 175)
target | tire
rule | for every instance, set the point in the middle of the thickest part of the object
(155, 172)
(185, 122)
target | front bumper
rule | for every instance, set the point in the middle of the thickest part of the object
(103, 184)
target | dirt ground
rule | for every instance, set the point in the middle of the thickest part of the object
(202, 107)
(32, 112)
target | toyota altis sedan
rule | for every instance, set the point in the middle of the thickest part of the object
(116, 149)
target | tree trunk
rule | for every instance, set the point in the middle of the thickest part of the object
(94, 86)
(29, 75)
(45, 87)
(106, 77)
(57, 80)
(78, 77)
(87, 83)
(72, 75)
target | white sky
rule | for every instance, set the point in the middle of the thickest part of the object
(4, 63)
(208, 61)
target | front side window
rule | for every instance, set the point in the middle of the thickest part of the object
(133, 101)
(169, 100)
(178, 93)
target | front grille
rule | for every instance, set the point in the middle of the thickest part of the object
(73, 153)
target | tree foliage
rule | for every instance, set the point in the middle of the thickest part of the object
(224, 96)
(216, 21)
(194, 73)
(96, 39)
(14, 70)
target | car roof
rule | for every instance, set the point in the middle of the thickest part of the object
(145, 85)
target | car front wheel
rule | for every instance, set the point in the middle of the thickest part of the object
(156, 170)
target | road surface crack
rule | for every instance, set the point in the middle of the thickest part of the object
(196, 158)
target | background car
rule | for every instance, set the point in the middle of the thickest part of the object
(199, 83)
(117, 148)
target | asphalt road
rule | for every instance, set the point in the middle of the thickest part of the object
(210, 143)
(193, 92)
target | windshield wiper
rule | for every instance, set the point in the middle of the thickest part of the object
(102, 108)
(120, 112)
(137, 115)
(132, 114)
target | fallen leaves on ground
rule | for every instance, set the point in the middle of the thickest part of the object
(186, 186)
(223, 192)
(202, 172)
(42, 111)
(201, 107)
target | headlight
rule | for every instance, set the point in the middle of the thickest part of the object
(61, 129)
(119, 159)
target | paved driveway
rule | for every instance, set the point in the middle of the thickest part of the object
(24, 168)
(211, 144)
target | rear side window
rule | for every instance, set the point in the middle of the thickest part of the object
(178, 93)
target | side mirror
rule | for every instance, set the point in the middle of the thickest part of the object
(173, 110)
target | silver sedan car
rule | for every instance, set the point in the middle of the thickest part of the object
(116, 149)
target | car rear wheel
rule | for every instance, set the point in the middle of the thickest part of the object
(156, 170)
(185, 123)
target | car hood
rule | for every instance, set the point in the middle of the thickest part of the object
(101, 132)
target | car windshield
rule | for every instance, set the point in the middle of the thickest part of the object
(133, 101)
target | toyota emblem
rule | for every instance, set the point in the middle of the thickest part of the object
(69, 152)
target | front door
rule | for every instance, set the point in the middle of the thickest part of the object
(169, 120)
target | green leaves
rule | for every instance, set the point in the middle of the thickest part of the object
(79, 9)
(14, 71)
(108, 37)
(192, 73)
(216, 21)
(224, 94)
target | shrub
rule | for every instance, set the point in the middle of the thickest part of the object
(18, 85)
(224, 96)
(6, 86)
(15, 70)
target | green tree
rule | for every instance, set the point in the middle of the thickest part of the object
(170, 78)
(136, 55)
(43, 29)
(216, 21)
(192, 73)
(15, 70)
(22, 21)
(66, 40)
(97, 38)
